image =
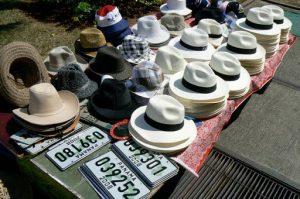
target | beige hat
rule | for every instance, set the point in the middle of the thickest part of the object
(278, 16)
(170, 60)
(174, 23)
(62, 56)
(48, 107)
(21, 66)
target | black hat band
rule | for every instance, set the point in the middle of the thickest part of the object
(240, 50)
(227, 77)
(198, 89)
(198, 48)
(215, 35)
(161, 126)
(279, 21)
(259, 26)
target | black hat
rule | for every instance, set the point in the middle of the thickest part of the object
(112, 101)
(72, 78)
(210, 13)
(109, 61)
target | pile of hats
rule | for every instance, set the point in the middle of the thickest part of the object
(259, 22)
(202, 93)
(244, 47)
(112, 24)
(228, 67)
(160, 126)
(284, 23)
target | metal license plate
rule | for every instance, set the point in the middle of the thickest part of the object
(77, 147)
(154, 166)
(24, 137)
(118, 180)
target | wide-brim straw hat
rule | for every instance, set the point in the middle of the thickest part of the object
(241, 24)
(21, 66)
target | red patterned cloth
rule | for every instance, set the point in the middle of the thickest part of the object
(193, 157)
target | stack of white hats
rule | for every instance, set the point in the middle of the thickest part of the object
(160, 126)
(202, 93)
(284, 23)
(244, 47)
(228, 67)
(260, 23)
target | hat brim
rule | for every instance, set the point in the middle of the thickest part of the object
(177, 88)
(53, 71)
(216, 42)
(241, 23)
(162, 37)
(207, 114)
(192, 55)
(110, 114)
(88, 91)
(156, 136)
(179, 32)
(81, 51)
(235, 96)
(287, 24)
(258, 55)
(164, 9)
(132, 60)
(151, 93)
(70, 110)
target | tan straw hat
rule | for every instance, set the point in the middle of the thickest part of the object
(21, 66)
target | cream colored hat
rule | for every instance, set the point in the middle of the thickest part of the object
(174, 23)
(61, 56)
(198, 83)
(160, 126)
(213, 29)
(244, 46)
(47, 106)
(175, 6)
(193, 45)
(278, 16)
(170, 60)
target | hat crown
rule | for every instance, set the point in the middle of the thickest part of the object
(148, 26)
(92, 38)
(260, 16)
(176, 4)
(194, 37)
(277, 12)
(108, 16)
(147, 74)
(242, 39)
(170, 60)
(135, 45)
(61, 56)
(44, 100)
(165, 109)
(210, 26)
(225, 63)
(199, 74)
(173, 22)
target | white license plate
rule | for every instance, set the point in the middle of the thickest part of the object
(154, 166)
(115, 178)
(77, 147)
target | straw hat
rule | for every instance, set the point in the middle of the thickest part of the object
(174, 23)
(21, 66)
(175, 6)
(48, 107)
(278, 16)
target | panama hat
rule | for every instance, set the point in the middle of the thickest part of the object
(149, 28)
(47, 106)
(109, 61)
(61, 56)
(228, 67)
(90, 40)
(244, 46)
(213, 29)
(21, 66)
(174, 23)
(175, 6)
(193, 45)
(259, 21)
(199, 83)
(278, 16)
(170, 60)
(161, 126)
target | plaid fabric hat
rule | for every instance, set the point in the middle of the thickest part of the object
(135, 49)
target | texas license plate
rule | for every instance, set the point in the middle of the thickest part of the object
(77, 147)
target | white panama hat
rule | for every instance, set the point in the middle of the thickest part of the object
(278, 16)
(175, 6)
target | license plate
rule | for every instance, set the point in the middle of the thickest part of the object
(77, 147)
(113, 178)
(154, 166)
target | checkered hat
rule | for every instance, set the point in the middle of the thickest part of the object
(107, 16)
(147, 81)
(135, 49)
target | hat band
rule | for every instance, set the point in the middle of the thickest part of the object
(161, 126)
(198, 48)
(240, 50)
(198, 89)
(279, 21)
(215, 35)
(227, 77)
(259, 26)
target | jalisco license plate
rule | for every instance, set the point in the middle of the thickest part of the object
(118, 180)
(153, 166)
(77, 147)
